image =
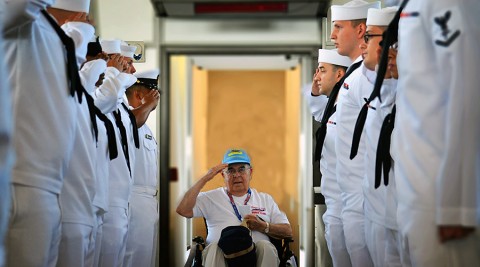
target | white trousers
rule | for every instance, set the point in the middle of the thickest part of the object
(322, 256)
(114, 239)
(267, 256)
(336, 245)
(420, 238)
(34, 232)
(97, 234)
(334, 236)
(375, 239)
(393, 252)
(142, 231)
(77, 245)
(354, 229)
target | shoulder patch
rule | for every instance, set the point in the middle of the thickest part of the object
(446, 27)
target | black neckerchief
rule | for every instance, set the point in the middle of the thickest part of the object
(384, 159)
(136, 139)
(123, 137)
(72, 68)
(112, 143)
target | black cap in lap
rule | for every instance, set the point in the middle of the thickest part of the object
(238, 247)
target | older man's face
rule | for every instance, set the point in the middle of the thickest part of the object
(237, 178)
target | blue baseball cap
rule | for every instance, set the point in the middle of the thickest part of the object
(236, 156)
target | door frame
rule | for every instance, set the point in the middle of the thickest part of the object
(163, 115)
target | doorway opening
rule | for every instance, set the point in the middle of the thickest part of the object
(223, 99)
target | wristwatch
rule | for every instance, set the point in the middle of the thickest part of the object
(267, 229)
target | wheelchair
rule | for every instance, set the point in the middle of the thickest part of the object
(285, 254)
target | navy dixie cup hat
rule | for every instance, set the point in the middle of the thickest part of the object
(236, 156)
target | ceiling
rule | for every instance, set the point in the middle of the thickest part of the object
(225, 9)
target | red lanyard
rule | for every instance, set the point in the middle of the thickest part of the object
(249, 194)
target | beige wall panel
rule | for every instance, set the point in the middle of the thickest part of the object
(246, 110)
(257, 111)
(199, 121)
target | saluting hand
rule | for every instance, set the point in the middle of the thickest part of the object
(117, 62)
(151, 99)
(315, 88)
(102, 55)
(214, 171)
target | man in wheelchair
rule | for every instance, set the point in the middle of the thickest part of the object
(233, 205)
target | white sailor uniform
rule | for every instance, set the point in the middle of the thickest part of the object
(120, 184)
(435, 143)
(143, 221)
(45, 119)
(350, 173)
(76, 244)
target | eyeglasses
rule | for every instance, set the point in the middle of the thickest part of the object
(240, 171)
(366, 37)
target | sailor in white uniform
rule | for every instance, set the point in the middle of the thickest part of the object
(347, 33)
(45, 121)
(375, 198)
(435, 142)
(331, 68)
(105, 91)
(76, 246)
(6, 149)
(120, 181)
(143, 97)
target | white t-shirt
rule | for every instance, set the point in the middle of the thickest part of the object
(215, 207)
